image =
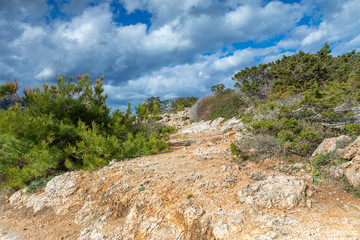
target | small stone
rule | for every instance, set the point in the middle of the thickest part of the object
(222, 168)
(309, 193)
(308, 203)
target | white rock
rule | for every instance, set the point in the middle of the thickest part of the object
(275, 192)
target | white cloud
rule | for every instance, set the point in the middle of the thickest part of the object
(313, 37)
(164, 57)
(46, 73)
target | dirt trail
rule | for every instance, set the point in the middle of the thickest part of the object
(188, 193)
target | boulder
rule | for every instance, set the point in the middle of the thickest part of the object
(330, 145)
(231, 124)
(336, 172)
(61, 186)
(352, 172)
(352, 152)
(281, 192)
(217, 122)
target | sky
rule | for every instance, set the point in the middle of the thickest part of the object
(166, 48)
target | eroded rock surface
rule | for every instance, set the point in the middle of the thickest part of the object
(193, 192)
(351, 169)
(275, 191)
(330, 145)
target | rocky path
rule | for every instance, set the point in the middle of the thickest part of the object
(193, 192)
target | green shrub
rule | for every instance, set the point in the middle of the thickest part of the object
(202, 109)
(256, 148)
(225, 104)
(69, 127)
(154, 105)
(9, 88)
(352, 129)
(321, 160)
(178, 104)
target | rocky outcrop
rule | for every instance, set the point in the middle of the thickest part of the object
(275, 192)
(216, 125)
(193, 192)
(351, 169)
(352, 152)
(330, 145)
(56, 192)
(178, 119)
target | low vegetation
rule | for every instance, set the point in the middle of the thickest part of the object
(152, 107)
(68, 127)
(298, 100)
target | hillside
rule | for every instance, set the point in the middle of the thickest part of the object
(195, 191)
(278, 157)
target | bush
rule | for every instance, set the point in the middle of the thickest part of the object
(9, 88)
(226, 104)
(69, 127)
(153, 106)
(256, 148)
(202, 108)
(352, 129)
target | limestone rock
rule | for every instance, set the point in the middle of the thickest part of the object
(205, 151)
(231, 124)
(329, 145)
(197, 127)
(275, 192)
(217, 122)
(352, 172)
(352, 168)
(61, 186)
(336, 172)
(352, 152)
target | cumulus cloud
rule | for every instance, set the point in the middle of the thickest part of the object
(182, 50)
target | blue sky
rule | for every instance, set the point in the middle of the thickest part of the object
(164, 48)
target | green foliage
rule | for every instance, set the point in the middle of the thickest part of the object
(37, 184)
(9, 88)
(257, 147)
(220, 89)
(178, 104)
(226, 105)
(234, 149)
(69, 127)
(318, 76)
(153, 106)
(303, 98)
(321, 160)
(350, 188)
(352, 129)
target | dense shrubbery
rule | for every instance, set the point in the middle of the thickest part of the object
(69, 127)
(300, 99)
